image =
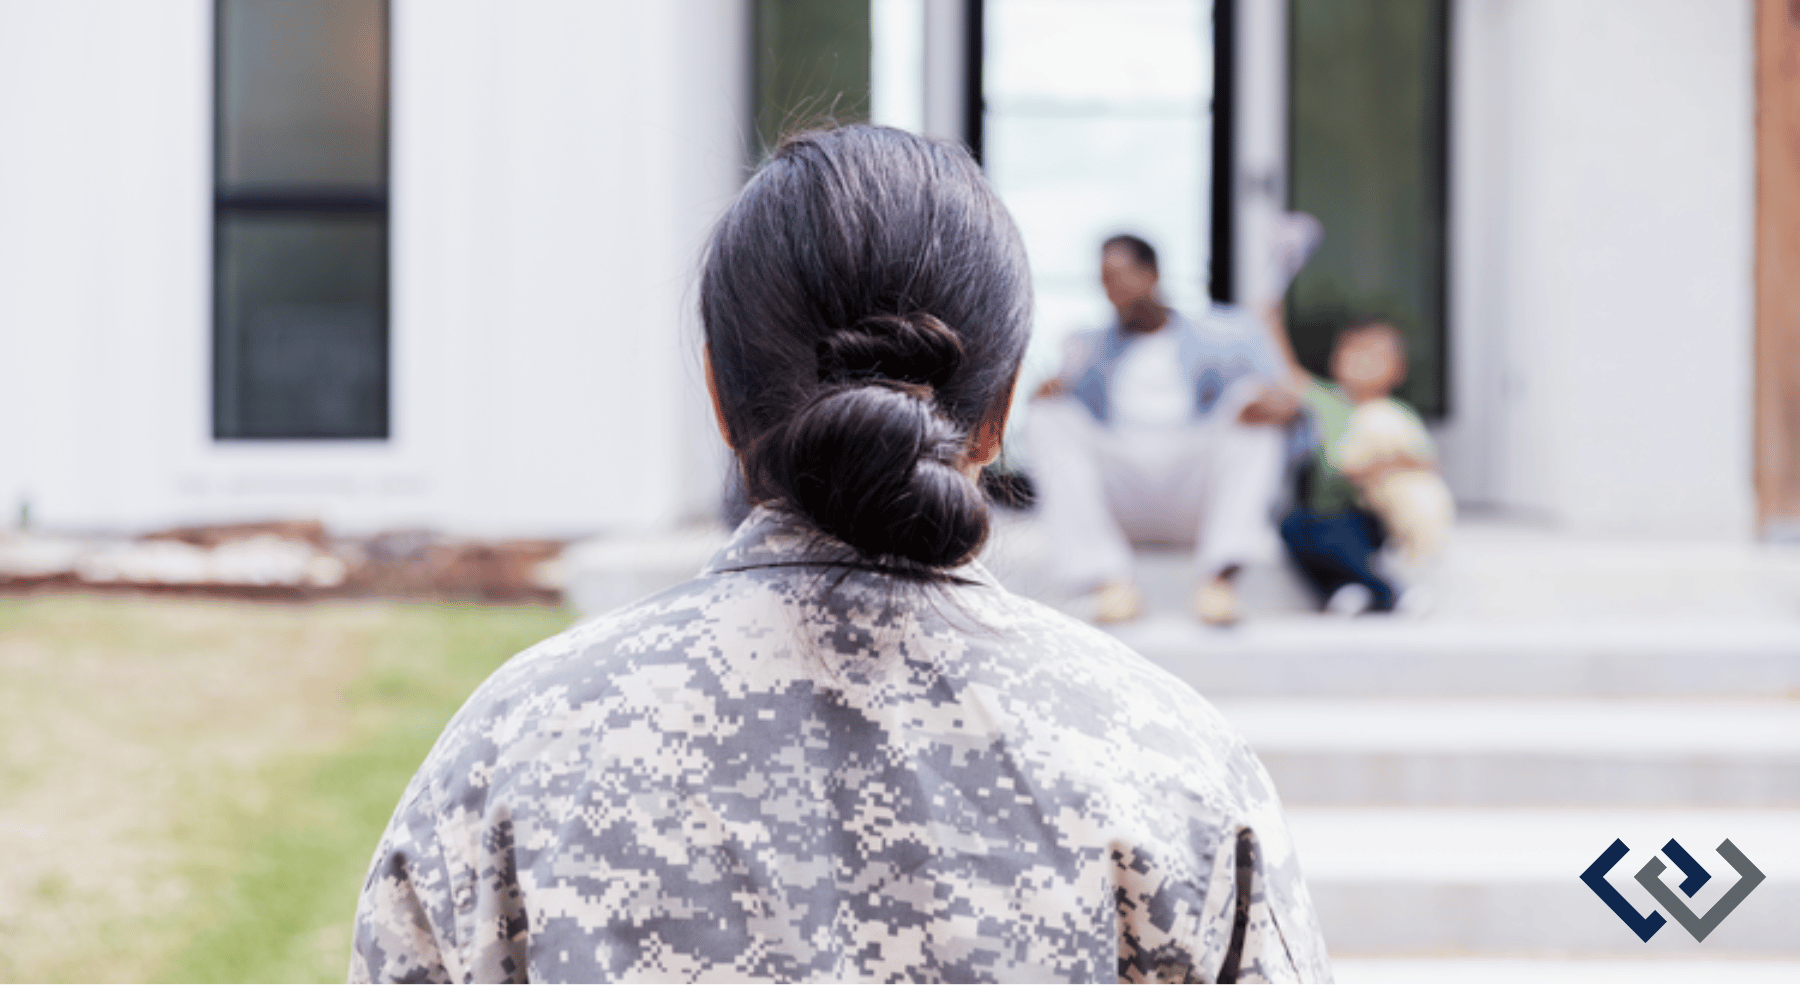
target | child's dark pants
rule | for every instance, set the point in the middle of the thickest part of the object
(1335, 550)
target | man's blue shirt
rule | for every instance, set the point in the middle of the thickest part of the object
(1224, 345)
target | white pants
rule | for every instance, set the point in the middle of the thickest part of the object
(1211, 484)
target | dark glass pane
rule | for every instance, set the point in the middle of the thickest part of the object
(1366, 156)
(301, 346)
(302, 93)
(812, 61)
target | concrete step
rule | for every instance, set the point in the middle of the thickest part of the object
(609, 572)
(1506, 883)
(1462, 970)
(1387, 657)
(1534, 751)
(1295, 651)
(1493, 572)
(1519, 612)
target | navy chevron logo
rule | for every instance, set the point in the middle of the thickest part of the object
(1694, 877)
(1642, 925)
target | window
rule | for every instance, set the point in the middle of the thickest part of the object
(1097, 122)
(812, 62)
(1366, 156)
(300, 220)
(898, 63)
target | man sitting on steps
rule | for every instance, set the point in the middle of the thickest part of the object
(1160, 429)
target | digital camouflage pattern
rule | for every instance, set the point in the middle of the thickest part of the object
(785, 770)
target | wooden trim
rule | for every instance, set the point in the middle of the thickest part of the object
(1777, 370)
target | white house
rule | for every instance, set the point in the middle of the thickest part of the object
(456, 288)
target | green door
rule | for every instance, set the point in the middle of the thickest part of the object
(812, 66)
(1366, 155)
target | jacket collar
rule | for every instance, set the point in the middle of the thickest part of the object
(772, 538)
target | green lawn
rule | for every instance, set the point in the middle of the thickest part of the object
(192, 790)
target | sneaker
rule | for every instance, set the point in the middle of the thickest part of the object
(1350, 600)
(1416, 602)
(1117, 601)
(1216, 603)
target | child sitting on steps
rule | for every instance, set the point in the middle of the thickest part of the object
(1373, 479)
(1385, 450)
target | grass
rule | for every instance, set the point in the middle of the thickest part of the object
(203, 783)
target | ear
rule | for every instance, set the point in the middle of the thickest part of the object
(712, 391)
(984, 443)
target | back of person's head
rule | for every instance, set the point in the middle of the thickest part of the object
(1135, 247)
(867, 303)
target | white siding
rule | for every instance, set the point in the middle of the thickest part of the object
(104, 193)
(555, 167)
(557, 163)
(1604, 196)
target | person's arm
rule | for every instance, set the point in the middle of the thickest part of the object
(1275, 321)
(1254, 952)
(392, 940)
(1280, 402)
(1260, 917)
(1365, 476)
(1275, 404)
(1075, 354)
(404, 908)
(1273, 934)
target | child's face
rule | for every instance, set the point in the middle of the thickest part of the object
(1367, 365)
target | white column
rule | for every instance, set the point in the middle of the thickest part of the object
(946, 96)
(1470, 439)
(1628, 264)
(1261, 144)
(897, 63)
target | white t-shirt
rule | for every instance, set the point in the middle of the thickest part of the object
(1149, 392)
(1152, 402)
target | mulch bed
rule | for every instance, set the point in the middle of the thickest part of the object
(408, 565)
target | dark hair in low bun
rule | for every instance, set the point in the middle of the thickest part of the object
(917, 348)
(875, 466)
(867, 303)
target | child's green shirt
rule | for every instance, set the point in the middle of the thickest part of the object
(1331, 492)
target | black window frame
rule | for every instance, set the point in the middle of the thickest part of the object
(1222, 203)
(974, 78)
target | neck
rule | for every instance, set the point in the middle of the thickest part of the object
(1143, 316)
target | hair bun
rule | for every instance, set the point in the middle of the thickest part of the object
(875, 465)
(918, 348)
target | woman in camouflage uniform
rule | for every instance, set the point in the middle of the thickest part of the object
(843, 752)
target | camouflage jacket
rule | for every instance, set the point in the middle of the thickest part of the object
(791, 769)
